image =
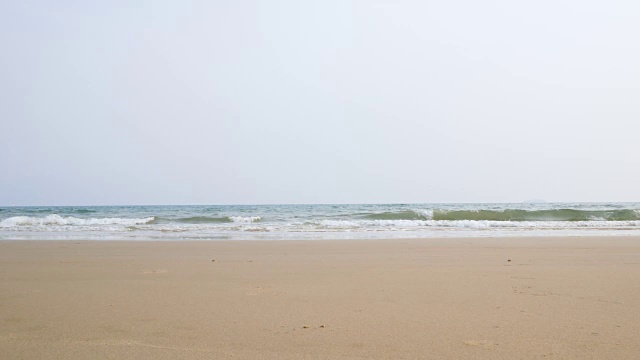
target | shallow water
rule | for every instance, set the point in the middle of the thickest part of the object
(255, 222)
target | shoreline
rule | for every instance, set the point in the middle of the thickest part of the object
(587, 234)
(562, 297)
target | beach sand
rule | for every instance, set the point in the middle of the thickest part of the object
(557, 298)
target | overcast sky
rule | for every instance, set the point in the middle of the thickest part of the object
(248, 102)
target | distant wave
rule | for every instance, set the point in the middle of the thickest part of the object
(84, 211)
(53, 210)
(70, 220)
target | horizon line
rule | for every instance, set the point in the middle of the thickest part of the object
(294, 204)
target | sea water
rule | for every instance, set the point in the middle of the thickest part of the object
(342, 221)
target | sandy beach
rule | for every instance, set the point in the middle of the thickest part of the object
(473, 298)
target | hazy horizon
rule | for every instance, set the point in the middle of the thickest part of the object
(328, 204)
(280, 102)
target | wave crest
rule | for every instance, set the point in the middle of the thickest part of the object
(537, 215)
(70, 220)
(202, 220)
(402, 215)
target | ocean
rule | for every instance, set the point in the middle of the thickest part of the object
(283, 222)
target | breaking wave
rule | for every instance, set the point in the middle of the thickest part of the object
(510, 215)
(244, 219)
(317, 221)
(210, 219)
(70, 220)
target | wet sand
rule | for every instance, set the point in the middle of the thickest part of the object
(557, 298)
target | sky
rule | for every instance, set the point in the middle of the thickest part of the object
(334, 101)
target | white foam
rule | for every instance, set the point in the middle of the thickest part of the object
(244, 219)
(368, 224)
(337, 224)
(480, 224)
(427, 213)
(373, 225)
(70, 220)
